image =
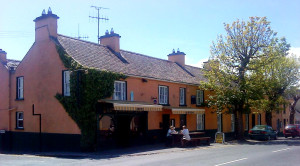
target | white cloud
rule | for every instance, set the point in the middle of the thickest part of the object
(295, 51)
(200, 63)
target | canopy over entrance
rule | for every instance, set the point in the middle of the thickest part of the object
(187, 111)
(119, 105)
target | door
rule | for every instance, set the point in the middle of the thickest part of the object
(123, 130)
(165, 123)
(253, 120)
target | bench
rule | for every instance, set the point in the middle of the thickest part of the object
(196, 141)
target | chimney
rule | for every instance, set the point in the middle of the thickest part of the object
(3, 56)
(178, 57)
(111, 40)
(46, 25)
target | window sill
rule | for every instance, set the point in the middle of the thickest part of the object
(19, 128)
(19, 99)
(183, 105)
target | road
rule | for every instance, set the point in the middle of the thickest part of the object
(276, 153)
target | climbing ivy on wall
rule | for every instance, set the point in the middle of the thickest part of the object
(87, 86)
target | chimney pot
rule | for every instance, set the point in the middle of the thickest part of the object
(112, 31)
(43, 12)
(49, 11)
(173, 51)
(106, 32)
(178, 50)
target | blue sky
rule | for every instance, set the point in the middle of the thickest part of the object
(150, 27)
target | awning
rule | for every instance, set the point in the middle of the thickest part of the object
(187, 111)
(132, 105)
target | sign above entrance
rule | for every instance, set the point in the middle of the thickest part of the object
(132, 105)
(187, 111)
(136, 107)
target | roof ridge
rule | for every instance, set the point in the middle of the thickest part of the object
(82, 40)
(194, 67)
(147, 56)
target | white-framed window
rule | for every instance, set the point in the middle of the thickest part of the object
(259, 119)
(246, 121)
(200, 97)
(200, 121)
(219, 121)
(20, 87)
(182, 95)
(120, 90)
(163, 94)
(19, 120)
(232, 122)
(66, 83)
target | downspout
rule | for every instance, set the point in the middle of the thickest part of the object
(40, 133)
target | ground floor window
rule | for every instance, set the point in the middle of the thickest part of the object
(19, 120)
(200, 121)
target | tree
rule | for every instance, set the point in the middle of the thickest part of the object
(231, 67)
(280, 75)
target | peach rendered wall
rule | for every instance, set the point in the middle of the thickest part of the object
(42, 72)
(146, 91)
(4, 95)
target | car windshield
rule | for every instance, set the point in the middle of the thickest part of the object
(259, 128)
(290, 127)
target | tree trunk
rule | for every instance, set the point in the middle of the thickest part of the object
(269, 118)
(293, 109)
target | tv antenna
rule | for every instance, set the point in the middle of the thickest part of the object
(98, 17)
(81, 37)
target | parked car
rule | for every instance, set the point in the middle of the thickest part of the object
(291, 130)
(262, 132)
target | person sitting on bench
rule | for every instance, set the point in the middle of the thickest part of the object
(186, 135)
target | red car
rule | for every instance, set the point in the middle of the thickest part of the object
(291, 130)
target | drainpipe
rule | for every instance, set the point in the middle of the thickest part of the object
(40, 133)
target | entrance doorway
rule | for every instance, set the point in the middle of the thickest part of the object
(165, 123)
(253, 120)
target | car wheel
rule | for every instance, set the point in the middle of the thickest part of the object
(293, 136)
(275, 138)
(285, 136)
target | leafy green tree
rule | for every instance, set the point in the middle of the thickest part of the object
(232, 64)
(280, 76)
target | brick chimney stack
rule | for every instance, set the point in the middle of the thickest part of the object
(3, 56)
(111, 40)
(46, 25)
(178, 57)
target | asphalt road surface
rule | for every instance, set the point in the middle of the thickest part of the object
(261, 153)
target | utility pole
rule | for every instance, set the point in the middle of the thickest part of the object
(98, 17)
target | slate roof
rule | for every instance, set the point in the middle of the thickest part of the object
(11, 64)
(129, 63)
